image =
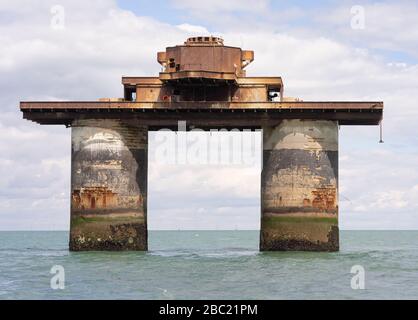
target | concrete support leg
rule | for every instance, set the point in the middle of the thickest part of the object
(108, 186)
(299, 186)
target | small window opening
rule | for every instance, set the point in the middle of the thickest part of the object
(273, 94)
(172, 63)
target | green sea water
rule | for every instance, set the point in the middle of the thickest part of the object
(209, 265)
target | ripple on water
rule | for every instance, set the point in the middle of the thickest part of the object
(195, 254)
(213, 265)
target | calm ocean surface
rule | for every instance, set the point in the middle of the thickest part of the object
(209, 265)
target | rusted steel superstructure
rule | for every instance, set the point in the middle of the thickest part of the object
(204, 83)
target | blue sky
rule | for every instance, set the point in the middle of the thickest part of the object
(311, 44)
(173, 12)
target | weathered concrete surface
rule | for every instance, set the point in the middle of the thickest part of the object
(108, 186)
(299, 186)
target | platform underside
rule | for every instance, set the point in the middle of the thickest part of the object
(157, 115)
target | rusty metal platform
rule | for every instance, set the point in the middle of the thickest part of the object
(204, 114)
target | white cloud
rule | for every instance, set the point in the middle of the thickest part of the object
(211, 6)
(192, 29)
(388, 25)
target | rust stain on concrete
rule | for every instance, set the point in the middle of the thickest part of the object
(94, 198)
(324, 198)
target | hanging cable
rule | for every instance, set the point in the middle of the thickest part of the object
(381, 132)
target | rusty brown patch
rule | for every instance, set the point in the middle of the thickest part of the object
(324, 198)
(94, 198)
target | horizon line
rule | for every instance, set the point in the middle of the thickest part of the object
(67, 230)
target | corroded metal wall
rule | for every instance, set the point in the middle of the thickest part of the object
(299, 186)
(108, 186)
